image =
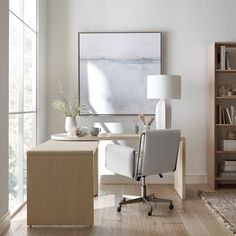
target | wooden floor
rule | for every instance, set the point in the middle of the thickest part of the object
(189, 217)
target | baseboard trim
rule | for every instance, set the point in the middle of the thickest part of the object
(168, 179)
(5, 222)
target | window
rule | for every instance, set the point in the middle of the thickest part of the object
(22, 94)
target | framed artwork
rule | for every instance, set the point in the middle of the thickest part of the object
(113, 69)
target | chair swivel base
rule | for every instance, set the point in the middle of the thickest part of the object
(145, 199)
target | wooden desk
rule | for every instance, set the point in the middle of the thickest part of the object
(62, 179)
(179, 174)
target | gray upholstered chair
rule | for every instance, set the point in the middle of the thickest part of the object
(157, 154)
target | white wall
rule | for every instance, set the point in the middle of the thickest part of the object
(42, 73)
(189, 27)
(4, 111)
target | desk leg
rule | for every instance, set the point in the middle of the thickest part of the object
(179, 174)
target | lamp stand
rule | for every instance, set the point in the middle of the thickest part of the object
(163, 114)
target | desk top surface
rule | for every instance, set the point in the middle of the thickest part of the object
(53, 146)
(102, 136)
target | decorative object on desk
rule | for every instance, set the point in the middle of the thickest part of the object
(146, 127)
(142, 118)
(81, 131)
(222, 205)
(70, 125)
(163, 87)
(94, 131)
(69, 107)
(147, 124)
(136, 127)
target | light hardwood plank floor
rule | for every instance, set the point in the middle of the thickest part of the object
(189, 217)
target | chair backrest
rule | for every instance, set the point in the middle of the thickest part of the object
(159, 151)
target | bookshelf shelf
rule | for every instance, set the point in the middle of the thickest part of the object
(226, 71)
(225, 152)
(226, 125)
(231, 178)
(226, 97)
(222, 110)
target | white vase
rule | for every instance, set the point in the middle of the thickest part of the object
(70, 125)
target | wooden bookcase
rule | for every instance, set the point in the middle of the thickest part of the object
(217, 127)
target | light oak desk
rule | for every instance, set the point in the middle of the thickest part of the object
(179, 174)
(62, 179)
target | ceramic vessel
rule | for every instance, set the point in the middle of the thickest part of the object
(94, 131)
(70, 125)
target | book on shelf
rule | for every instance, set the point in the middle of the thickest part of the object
(232, 112)
(229, 162)
(218, 57)
(229, 145)
(222, 57)
(227, 64)
(228, 168)
(223, 116)
(230, 121)
(226, 115)
(219, 111)
(227, 173)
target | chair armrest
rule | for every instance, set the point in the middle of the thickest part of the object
(120, 159)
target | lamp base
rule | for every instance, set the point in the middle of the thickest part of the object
(163, 114)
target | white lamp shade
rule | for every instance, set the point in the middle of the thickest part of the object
(164, 86)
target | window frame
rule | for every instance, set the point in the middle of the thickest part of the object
(21, 112)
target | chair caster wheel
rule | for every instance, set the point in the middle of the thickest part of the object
(118, 208)
(171, 206)
(150, 213)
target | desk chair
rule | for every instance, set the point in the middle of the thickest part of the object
(157, 154)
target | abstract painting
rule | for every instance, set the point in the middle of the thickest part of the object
(113, 69)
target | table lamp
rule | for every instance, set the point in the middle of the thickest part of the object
(163, 87)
